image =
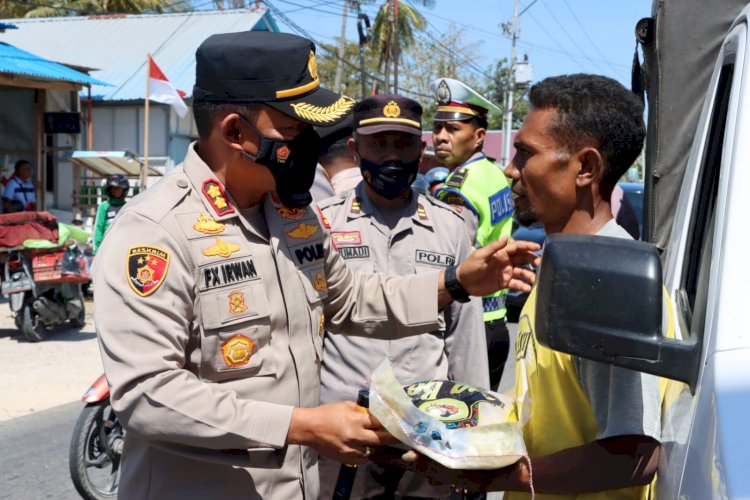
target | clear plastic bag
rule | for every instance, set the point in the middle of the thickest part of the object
(457, 425)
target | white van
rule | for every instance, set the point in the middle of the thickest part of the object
(608, 306)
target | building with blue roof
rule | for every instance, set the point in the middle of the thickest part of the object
(114, 49)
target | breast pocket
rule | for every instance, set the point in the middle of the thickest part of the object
(236, 333)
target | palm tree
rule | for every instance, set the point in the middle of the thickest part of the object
(393, 30)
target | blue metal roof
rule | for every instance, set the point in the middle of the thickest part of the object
(16, 61)
(117, 45)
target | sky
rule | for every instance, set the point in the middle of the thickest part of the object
(559, 36)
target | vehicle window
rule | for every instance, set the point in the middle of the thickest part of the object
(700, 236)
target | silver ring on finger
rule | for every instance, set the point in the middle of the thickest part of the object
(367, 452)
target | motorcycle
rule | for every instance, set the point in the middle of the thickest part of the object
(96, 445)
(44, 288)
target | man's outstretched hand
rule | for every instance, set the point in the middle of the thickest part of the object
(498, 265)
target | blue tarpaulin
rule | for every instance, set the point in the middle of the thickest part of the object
(16, 61)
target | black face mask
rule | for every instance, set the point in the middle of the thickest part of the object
(392, 178)
(292, 164)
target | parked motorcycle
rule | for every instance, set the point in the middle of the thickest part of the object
(96, 446)
(44, 289)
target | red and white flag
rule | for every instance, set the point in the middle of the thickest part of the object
(160, 90)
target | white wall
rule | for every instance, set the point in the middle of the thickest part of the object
(118, 128)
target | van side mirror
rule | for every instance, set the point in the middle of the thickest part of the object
(602, 298)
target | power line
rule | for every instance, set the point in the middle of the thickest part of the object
(585, 33)
(565, 31)
(331, 53)
(572, 58)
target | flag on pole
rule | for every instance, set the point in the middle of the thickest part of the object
(161, 90)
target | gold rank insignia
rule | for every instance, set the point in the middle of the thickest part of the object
(321, 284)
(237, 351)
(421, 212)
(303, 231)
(391, 110)
(217, 198)
(291, 213)
(221, 248)
(356, 206)
(146, 269)
(207, 225)
(323, 218)
(237, 304)
(322, 327)
(457, 178)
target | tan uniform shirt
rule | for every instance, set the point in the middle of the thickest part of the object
(210, 322)
(425, 235)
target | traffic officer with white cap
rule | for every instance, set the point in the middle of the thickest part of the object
(477, 184)
(213, 288)
(385, 226)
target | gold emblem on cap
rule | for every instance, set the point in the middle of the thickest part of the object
(221, 248)
(320, 114)
(206, 225)
(237, 351)
(312, 66)
(391, 110)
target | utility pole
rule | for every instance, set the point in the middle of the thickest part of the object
(395, 46)
(510, 29)
(342, 49)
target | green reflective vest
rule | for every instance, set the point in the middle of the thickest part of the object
(480, 185)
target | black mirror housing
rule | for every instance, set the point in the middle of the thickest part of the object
(602, 298)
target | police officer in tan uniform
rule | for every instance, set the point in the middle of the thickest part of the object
(213, 288)
(383, 226)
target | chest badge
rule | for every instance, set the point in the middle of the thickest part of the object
(146, 267)
(303, 231)
(221, 249)
(207, 225)
(321, 284)
(237, 351)
(214, 192)
(291, 213)
(237, 304)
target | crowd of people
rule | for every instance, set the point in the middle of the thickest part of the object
(243, 301)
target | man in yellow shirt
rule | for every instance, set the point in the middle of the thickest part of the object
(591, 430)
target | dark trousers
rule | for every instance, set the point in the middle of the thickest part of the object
(498, 344)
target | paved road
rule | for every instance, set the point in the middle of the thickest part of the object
(34, 457)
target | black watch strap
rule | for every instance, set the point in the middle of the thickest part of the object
(454, 287)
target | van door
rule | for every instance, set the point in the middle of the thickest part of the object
(704, 444)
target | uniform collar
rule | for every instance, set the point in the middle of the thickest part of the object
(214, 196)
(475, 157)
(360, 205)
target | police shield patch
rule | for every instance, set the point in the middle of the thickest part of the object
(146, 268)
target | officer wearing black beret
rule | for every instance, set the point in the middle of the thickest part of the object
(214, 286)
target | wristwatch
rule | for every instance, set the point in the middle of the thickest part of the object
(454, 288)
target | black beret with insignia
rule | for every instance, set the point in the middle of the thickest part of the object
(276, 69)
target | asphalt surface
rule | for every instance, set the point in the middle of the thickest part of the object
(34, 456)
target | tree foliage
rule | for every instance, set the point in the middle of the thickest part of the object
(62, 8)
